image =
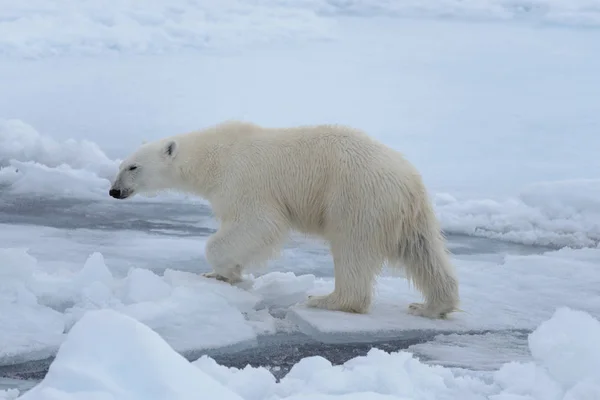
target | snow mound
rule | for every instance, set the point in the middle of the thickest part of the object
(567, 345)
(38, 306)
(555, 214)
(110, 355)
(9, 394)
(29, 330)
(25, 178)
(179, 306)
(36, 164)
(567, 356)
(21, 142)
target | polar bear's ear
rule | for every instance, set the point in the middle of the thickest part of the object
(170, 150)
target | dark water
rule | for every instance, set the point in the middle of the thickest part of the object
(170, 220)
(278, 353)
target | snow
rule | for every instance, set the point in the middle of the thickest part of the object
(110, 355)
(495, 102)
(568, 357)
(21, 142)
(191, 312)
(9, 394)
(554, 214)
(29, 330)
(50, 28)
(519, 293)
(179, 306)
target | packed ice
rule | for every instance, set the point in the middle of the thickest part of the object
(518, 293)
(110, 355)
(495, 101)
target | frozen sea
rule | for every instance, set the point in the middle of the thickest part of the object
(496, 102)
(53, 227)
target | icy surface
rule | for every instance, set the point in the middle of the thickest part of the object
(517, 294)
(486, 351)
(29, 330)
(191, 312)
(495, 102)
(9, 394)
(47, 28)
(109, 355)
(554, 214)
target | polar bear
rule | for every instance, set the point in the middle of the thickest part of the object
(362, 197)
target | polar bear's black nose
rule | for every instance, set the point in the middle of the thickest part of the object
(116, 193)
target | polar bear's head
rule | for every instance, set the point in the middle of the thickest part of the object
(149, 169)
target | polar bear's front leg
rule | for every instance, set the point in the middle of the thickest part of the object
(224, 250)
(247, 241)
(234, 276)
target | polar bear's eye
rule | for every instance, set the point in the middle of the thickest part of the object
(133, 167)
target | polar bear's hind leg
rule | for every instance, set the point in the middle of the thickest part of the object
(428, 266)
(355, 270)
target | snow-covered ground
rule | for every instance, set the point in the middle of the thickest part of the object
(497, 103)
(109, 355)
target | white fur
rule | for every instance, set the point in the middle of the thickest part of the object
(365, 199)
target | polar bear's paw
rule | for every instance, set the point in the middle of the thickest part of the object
(332, 302)
(219, 277)
(421, 310)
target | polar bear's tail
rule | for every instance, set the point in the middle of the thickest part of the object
(426, 259)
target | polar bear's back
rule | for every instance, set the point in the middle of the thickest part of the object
(314, 174)
(334, 151)
(324, 155)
